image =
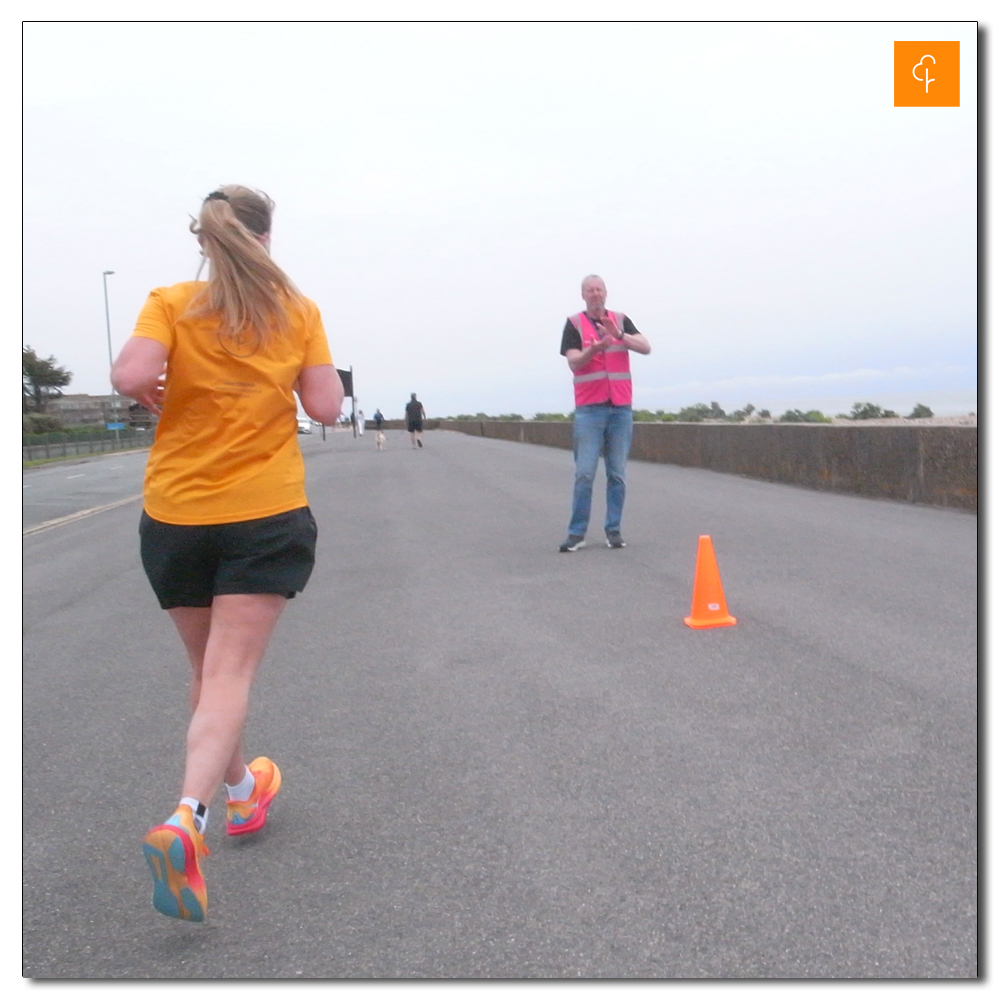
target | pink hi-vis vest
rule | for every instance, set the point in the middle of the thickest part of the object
(607, 375)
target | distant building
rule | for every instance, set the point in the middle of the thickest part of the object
(81, 410)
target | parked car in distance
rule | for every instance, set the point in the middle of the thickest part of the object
(305, 427)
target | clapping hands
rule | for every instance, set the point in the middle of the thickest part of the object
(608, 329)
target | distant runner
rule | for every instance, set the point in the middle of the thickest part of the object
(415, 418)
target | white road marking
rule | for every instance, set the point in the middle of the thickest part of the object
(45, 525)
(79, 475)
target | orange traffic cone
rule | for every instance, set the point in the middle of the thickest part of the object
(708, 606)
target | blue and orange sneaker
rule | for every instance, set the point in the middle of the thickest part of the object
(172, 850)
(250, 816)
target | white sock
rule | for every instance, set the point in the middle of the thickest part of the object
(199, 810)
(242, 791)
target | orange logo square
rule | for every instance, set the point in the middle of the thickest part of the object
(925, 75)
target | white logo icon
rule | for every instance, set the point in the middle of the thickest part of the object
(926, 79)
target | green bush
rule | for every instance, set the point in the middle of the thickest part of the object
(920, 411)
(868, 411)
(694, 414)
(39, 423)
(738, 416)
(798, 417)
(552, 416)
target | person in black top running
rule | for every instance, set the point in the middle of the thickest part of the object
(415, 417)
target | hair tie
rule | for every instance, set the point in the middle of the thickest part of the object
(217, 196)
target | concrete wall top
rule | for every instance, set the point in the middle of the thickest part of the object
(936, 465)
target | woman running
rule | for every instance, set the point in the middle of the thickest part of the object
(226, 534)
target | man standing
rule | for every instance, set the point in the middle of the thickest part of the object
(415, 417)
(596, 344)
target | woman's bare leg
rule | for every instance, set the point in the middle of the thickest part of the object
(225, 644)
(193, 625)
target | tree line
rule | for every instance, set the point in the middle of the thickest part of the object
(43, 380)
(699, 412)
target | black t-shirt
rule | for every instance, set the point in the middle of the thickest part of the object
(572, 341)
(414, 410)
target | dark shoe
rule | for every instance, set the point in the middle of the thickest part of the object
(572, 543)
(615, 540)
(420, 443)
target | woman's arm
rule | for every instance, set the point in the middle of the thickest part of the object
(138, 371)
(321, 393)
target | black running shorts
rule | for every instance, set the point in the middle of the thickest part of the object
(189, 564)
(415, 426)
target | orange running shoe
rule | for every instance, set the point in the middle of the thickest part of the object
(172, 851)
(250, 816)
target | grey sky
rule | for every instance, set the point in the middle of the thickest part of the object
(780, 232)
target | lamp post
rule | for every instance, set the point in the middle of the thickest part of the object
(111, 360)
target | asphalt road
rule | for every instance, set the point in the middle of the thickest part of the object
(59, 489)
(503, 762)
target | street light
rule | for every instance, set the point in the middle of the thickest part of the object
(111, 360)
(107, 316)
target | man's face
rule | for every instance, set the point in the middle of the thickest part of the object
(594, 294)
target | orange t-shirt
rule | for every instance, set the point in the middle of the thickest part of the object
(226, 446)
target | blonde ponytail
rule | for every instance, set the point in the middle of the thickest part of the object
(246, 289)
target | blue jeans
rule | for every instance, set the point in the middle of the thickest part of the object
(597, 430)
